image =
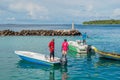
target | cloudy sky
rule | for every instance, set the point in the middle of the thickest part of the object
(57, 11)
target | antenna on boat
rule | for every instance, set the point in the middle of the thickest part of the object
(73, 26)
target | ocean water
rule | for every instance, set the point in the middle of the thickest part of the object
(82, 67)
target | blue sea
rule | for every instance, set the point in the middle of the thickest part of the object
(82, 67)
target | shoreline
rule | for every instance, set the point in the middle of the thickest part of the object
(41, 32)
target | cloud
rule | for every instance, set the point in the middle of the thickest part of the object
(58, 10)
(1, 11)
(116, 12)
(86, 10)
(11, 18)
(31, 9)
(89, 7)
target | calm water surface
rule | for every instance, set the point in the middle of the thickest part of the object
(105, 38)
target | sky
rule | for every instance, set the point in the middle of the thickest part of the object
(57, 11)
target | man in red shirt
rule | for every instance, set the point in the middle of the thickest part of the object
(51, 49)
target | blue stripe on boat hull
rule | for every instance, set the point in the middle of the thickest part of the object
(36, 61)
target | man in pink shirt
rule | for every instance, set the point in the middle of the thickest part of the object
(64, 47)
(64, 52)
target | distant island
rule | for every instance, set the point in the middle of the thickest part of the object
(102, 22)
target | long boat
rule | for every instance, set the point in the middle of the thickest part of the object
(37, 58)
(109, 55)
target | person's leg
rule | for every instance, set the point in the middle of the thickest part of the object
(50, 56)
(53, 55)
(84, 42)
(65, 54)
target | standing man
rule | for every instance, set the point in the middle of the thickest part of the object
(64, 51)
(84, 37)
(64, 47)
(51, 46)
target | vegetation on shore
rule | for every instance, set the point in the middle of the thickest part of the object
(102, 22)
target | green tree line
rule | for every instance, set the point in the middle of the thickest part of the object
(102, 22)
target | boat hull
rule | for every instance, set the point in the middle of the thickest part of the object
(36, 58)
(109, 55)
(77, 46)
(75, 49)
(35, 61)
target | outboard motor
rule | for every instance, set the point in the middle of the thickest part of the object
(63, 60)
(89, 49)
